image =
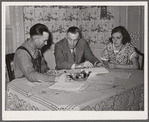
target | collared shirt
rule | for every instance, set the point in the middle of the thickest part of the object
(73, 66)
(23, 66)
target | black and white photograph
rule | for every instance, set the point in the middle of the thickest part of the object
(74, 60)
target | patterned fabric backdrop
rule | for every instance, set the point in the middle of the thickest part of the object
(96, 22)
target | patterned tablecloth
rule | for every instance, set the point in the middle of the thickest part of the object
(125, 93)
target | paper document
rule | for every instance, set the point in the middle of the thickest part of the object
(97, 70)
(122, 75)
(108, 78)
(101, 78)
(72, 87)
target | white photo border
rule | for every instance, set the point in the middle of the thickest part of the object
(75, 115)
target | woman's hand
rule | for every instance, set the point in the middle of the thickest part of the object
(111, 66)
(105, 63)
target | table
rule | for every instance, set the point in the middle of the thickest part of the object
(123, 94)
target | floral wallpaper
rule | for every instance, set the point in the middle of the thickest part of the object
(95, 22)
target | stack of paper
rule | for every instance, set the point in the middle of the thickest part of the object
(68, 86)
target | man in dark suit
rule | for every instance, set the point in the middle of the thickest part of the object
(74, 52)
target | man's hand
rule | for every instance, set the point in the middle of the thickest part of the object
(64, 77)
(52, 72)
(86, 64)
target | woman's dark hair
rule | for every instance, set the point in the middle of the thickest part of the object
(124, 32)
(38, 29)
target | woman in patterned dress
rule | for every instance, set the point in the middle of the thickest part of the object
(120, 53)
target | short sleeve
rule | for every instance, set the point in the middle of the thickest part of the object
(134, 55)
(131, 51)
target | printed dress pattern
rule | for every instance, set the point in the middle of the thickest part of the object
(122, 57)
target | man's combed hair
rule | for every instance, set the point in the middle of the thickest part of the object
(38, 29)
(73, 30)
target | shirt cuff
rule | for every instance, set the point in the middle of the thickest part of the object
(46, 70)
(104, 59)
(73, 66)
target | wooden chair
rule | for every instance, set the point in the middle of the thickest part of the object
(9, 63)
(141, 55)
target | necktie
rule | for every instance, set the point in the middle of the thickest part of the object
(73, 54)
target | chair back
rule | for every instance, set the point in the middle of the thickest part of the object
(9, 65)
(141, 55)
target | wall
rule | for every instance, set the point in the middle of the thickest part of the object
(95, 22)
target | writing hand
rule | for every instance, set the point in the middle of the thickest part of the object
(111, 66)
(52, 72)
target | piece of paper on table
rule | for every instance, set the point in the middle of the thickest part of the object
(108, 78)
(122, 75)
(23, 80)
(97, 70)
(67, 86)
(101, 78)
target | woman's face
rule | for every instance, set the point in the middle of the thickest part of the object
(117, 39)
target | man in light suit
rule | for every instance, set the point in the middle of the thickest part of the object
(74, 52)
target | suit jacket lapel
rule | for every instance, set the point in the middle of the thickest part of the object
(79, 53)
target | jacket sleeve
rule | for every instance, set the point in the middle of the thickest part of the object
(61, 58)
(88, 54)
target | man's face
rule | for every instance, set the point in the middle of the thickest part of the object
(41, 40)
(72, 39)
